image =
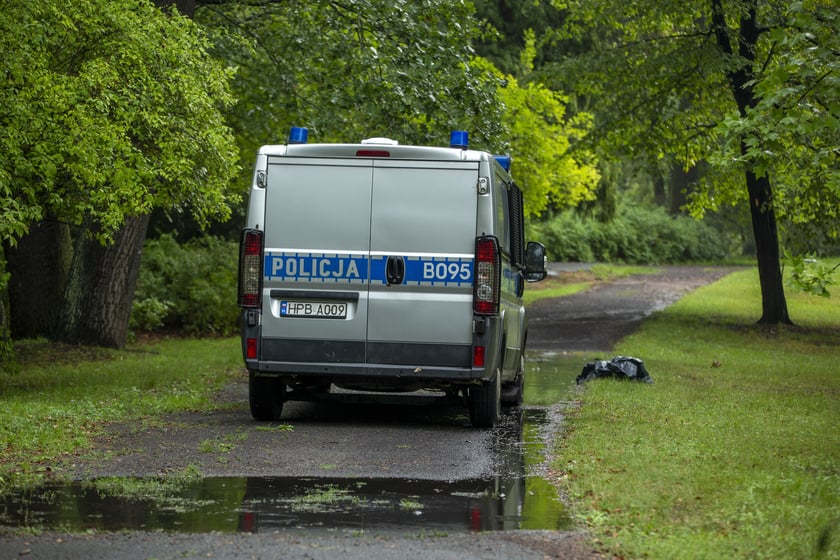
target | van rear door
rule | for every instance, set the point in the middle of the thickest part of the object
(317, 248)
(422, 244)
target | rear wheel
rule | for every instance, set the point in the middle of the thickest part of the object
(266, 397)
(486, 402)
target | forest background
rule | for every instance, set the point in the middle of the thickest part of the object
(660, 132)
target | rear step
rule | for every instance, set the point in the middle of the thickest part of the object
(419, 398)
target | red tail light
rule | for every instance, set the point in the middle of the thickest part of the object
(478, 356)
(487, 276)
(250, 268)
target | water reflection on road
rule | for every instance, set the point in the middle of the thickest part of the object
(518, 496)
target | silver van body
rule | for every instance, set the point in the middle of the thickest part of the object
(370, 272)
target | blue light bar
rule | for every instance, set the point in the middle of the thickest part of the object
(504, 161)
(459, 139)
(298, 135)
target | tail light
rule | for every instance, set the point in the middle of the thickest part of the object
(251, 349)
(250, 268)
(487, 276)
(478, 356)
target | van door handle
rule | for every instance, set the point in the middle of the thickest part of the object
(395, 270)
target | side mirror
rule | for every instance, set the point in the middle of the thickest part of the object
(535, 260)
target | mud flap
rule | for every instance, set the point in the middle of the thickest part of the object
(486, 402)
(266, 397)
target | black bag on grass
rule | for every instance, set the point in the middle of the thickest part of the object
(620, 367)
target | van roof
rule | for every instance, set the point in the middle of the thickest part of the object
(394, 151)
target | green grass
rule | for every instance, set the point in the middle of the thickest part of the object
(323, 498)
(606, 271)
(59, 397)
(734, 451)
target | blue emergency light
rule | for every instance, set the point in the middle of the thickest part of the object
(298, 135)
(459, 139)
(504, 161)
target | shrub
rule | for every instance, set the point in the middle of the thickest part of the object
(148, 314)
(565, 238)
(634, 236)
(189, 287)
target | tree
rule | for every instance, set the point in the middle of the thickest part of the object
(741, 84)
(110, 109)
(359, 68)
(540, 138)
(793, 132)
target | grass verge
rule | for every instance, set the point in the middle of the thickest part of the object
(733, 452)
(59, 397)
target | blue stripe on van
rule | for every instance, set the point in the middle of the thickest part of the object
(333, 267)
(316, 267)
(428, 271)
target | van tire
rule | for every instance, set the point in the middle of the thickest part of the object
(486, 402)
(266, 397)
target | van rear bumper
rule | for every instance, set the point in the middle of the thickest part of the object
(381, 372)
(403, 354)
(337, 360)
(372, 360)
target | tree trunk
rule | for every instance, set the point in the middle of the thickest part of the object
(681, 183)
(741, 78)
(773, 302)
(38, 265)
(659, 195)
(6, 346)
(100, 288)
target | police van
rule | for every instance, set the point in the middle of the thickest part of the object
(381, 267)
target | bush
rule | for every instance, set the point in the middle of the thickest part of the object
(634, 236)
(189, 287)
(565, 238)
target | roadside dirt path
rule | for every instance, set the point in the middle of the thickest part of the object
(598, 318)
(355, 441)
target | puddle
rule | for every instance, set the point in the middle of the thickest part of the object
(518, 497)
(259, 505)
(551, 376)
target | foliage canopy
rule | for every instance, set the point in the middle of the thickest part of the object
(110, 109)
(661, 72)
(405, 70)
(349, 70)
(540, 138)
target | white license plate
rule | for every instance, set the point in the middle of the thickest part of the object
(314, 309)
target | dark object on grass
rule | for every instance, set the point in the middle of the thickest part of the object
(620, 367)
